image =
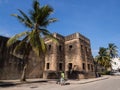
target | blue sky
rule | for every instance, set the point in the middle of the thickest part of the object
(99, 20)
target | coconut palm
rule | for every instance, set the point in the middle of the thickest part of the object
(112, 50)
(37, 23)
(103, 57)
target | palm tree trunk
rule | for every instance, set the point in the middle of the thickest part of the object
(23, 77)
(43, 64)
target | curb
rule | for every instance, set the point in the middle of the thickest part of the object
(84, 82)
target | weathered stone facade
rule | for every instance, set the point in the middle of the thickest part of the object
(72, 54)
(11, 65)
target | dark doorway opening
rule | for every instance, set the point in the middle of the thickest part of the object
(71, 73)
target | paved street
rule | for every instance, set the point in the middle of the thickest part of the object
(112, 83)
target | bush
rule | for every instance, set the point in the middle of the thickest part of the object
(105, 73)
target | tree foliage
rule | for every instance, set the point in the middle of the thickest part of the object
(37, 22)
(105, 55)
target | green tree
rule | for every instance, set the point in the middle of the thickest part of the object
(103, 57)
(37, 23)
(112, 50)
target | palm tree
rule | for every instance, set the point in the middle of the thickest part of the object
(37, 23)
(112, 50)
(103, 57)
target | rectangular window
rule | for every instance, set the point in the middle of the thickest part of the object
(88, 66)
(86, 50)
(83, 65)
(60, 66)
(70, 47)
(48, 65)
(60, 48)
(49, 47)
(81, 48)
(70, 66)
(92, 67)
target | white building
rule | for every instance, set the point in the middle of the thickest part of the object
(115, 64)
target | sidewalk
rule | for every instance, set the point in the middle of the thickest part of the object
(7, 83)
(84, 81)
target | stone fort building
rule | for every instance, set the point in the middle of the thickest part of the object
(72, 54)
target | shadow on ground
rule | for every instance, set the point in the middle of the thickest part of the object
(7, 84)
(11, 84)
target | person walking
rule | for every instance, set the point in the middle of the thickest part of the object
(62, 80)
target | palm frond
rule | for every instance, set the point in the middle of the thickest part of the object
(26, 18)
(112, 50)
(21, 45)
(47, 22)
(36, 5)
(47, 34)
(35, 12)
(45, 31)
(43, 46)
(15, 38)
(55, 40)
(21, 19)
(51, 20)
(44, 13)
(47, 9)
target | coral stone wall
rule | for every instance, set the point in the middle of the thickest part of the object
(11, 65)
